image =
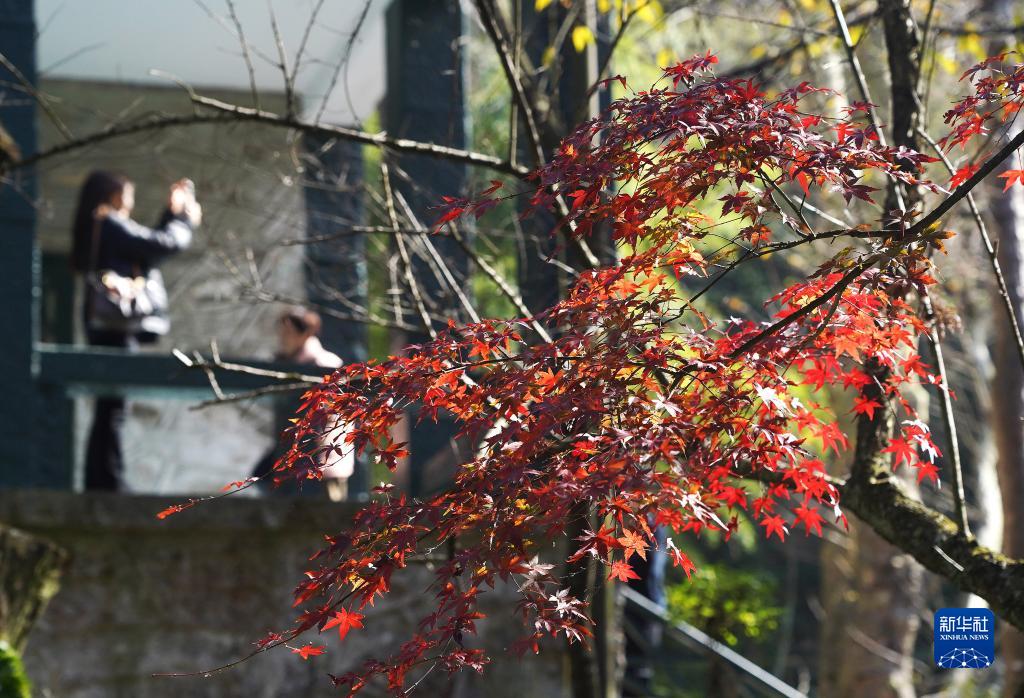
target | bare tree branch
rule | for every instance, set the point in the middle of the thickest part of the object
(490, 18)
(30, 89)
(282, 58)
(246, 55)
(230, 113)
(410, 278)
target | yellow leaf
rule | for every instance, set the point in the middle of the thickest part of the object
(665, 57)
(602, 5)
(971, 45)
(581, 37)
(948, 65)
(548, 57)
(855, 33)
(541, 4)
(758, 51)
(649, 11)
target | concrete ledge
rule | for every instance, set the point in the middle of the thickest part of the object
(194, 591)
(43, 510)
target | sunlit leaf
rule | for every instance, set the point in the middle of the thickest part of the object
(581, 37)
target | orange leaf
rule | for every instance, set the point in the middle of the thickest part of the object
(1012, 177)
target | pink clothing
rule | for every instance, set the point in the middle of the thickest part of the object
(313, 352)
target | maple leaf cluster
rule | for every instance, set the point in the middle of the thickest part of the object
(998, 95)
(640, 410)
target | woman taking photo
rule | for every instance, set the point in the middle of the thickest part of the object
(125, 299)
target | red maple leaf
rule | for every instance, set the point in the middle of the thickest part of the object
(902, 451)
(963, 174)
(1012, 177)
(810, 518)
(309, 650)
(866, 405)
(776, 525)
(926, 469)
(344, 620)
(832, 437)
(622, 571)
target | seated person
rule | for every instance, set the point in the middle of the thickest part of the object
(299, 342)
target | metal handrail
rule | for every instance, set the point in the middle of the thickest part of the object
(699, 640)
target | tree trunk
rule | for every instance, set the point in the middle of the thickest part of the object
(1007, 211)
(872, 590)
(29, 570)
(1007, 218)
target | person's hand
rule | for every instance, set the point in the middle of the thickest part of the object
(194, 212)
(178, 197)
(182, 201)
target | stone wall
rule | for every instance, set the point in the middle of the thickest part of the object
(192, 592)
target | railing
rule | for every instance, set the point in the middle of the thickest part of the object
(759, 681)
(65, 371)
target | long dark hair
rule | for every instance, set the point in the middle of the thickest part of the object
(99, 188)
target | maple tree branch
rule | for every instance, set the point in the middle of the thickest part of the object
(874, 495)
(848, 278)
(964, 189)
(990, 251)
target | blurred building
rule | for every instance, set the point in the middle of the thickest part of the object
(107, 63)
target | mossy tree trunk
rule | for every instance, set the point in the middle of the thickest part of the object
(29, 571)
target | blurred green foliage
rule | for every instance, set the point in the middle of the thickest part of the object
(13, 681)
(726, 603)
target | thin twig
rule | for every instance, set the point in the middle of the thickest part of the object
(410, 278)
(30, 89)
(201, 363)
(305, 38)
(990, 250)
(792, 204)
(489, 18)
(228, 398)
(953, 445)
(501, 283)
(440, 268)
(858, 72)
(342, 62)
(282, 58)
(246, 55)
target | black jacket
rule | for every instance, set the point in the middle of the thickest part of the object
(132, 249)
